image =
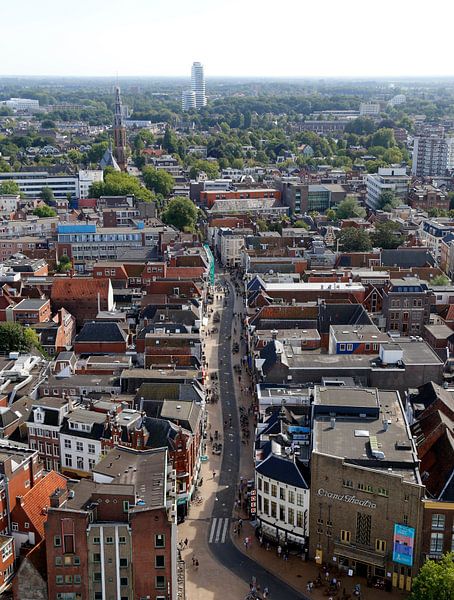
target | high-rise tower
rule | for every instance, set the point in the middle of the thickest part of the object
(198, 85)
(119, 132)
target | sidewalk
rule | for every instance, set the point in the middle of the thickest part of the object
(211, 579)
(298, 573)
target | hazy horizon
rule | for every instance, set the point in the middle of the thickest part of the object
(254, 39)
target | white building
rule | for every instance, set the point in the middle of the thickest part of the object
(231, 246)
(430, 156)
(80, 441)
(188, 100)
(9, 202)
(369, 109)
(282, 498)
(32, 182)
(86, 178)
(23, 104)
(198, 85)
(398, 99)
(394, 179)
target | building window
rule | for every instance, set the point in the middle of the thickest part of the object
(77, 579)
(97, 576)
(299, 518)
(266, 487)
(58, 561)
(345, 536)
(123, 562)
(67, 443)
(273, 509)
(91, 449)
(109, 540)
(382, 492)
(68, 460)
(59, 579)
(291, 497)
(76, 560)
(96, 556)
(290, 516)
(266, 506)
(125, 506)
(123, 581)
(281, 512)
(380, 545)
(96, 540)
(363, 528)
(160, 582)
(57, 540)
(259, 483)
(348, 483)
(405, 519)
(159, 540)
(274, 490)
(436, 543)
(122, 539)
(80, 462)
(79, 447)
(159, 562)
(14, 527)
(438, 521)
(282, 494)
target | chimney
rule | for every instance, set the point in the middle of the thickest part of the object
(58, 497)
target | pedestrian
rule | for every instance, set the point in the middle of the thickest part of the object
(246, 543)
(279, 551)
(308, 586)
(186, 541)
(266, 592)
(261, 540)
(214, 474)
(197, 566)
(193, 561)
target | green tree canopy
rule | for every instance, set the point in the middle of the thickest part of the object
(44, 211)
(301, 224)
(158, 181)
(440, 280)
(120, 184)
(352, 239)
(349, 208)
(9, 187)
(384, 137)
(211, 168)
(180, 212)
(170, 141)
(435, 580)
(388, 200)
(47, 195)
(387, 235)
(17, 338)
(64, 264)
(96, 152)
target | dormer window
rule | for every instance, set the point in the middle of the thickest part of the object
(39, 415)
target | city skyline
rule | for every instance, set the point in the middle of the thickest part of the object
(342, 43)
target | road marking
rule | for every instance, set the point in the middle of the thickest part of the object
(218, 531)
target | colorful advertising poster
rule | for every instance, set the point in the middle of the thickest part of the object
(403, 544)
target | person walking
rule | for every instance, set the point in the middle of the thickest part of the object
(279, 551)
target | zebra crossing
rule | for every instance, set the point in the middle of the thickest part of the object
(218, 530)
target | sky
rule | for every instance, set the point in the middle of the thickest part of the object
(262, 38)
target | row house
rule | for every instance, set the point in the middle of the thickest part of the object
(178, 349)
(406, 305)
(83, 297)
(356, 339)
(43, 428)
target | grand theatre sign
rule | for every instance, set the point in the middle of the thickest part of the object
(346, 498)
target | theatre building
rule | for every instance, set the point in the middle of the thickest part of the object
(365, 508)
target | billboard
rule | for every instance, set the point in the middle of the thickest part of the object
(403, 544)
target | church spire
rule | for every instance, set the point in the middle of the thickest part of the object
(119, 132)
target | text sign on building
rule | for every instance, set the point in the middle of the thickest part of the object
(346, 498)
(403, 544)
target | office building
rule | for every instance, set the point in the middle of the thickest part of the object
(392, 179)
(32, 182)
(188, 100)
(430, 156)
(369, 109)
(21, 104)
(198, 85)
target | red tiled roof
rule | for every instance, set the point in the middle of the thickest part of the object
(185, 272)
(77, 287)
(39, 497)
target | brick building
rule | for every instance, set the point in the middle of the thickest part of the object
(406, 305)
(31, 310)
(115, 536)
(83, 297)
(101, 338)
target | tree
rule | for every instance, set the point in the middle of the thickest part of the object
(387, 235)
(9, 187)
(44, 211)
(330, 214)
(17, 338)
(301, 224)
(64, 264)
(384, 137)
(388, 200)
(352, 239)
(48, 124)
(211, 168)
(158, 181)
(120, 184)
(349, 208)
(75, 156)
(170, 141)
(96, 152)
(440, 280)
(47, 195)
(435, 580)
(180, 212)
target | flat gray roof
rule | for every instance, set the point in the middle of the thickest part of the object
(346, 396)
